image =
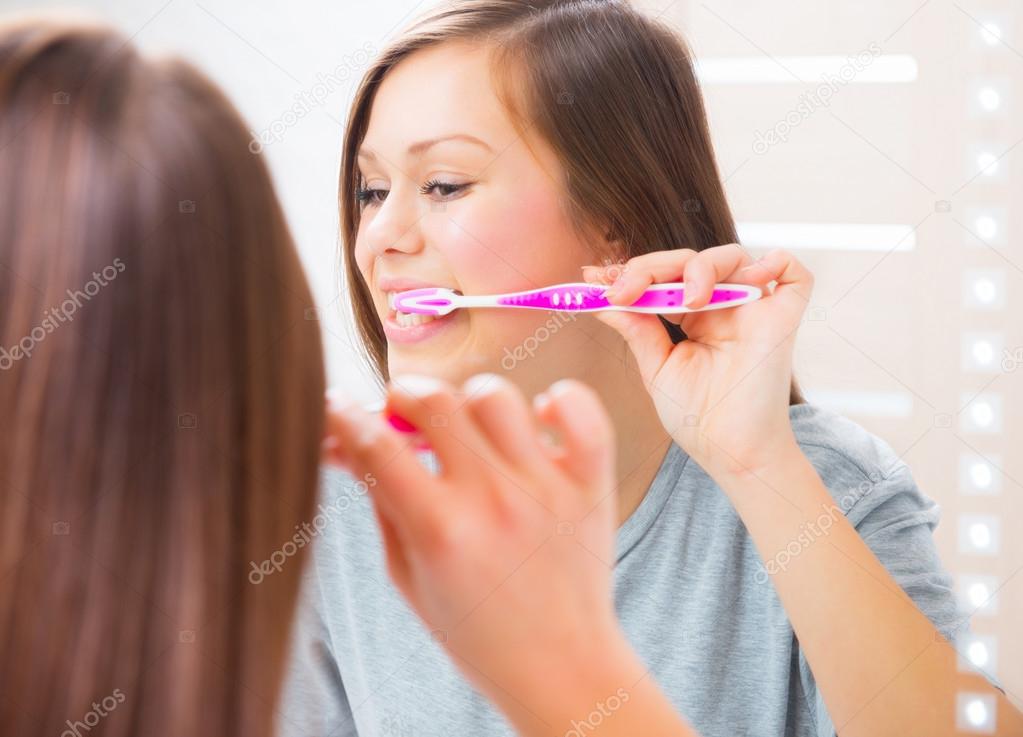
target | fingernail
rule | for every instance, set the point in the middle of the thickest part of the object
(481, 384)
(687, 294)
(346, 407)
(334, 397)
(417, 386)
(559, 387)
(541, 401)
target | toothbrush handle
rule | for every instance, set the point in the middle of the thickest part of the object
(666, 299)
(662, 299)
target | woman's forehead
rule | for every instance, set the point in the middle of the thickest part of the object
(435, 90)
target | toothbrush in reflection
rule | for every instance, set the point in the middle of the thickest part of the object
(398, 423)
(657, 299)
(662, 299)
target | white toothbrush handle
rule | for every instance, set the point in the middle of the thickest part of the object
(477, 300)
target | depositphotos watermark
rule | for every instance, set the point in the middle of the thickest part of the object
(820, 96)
(528, 347)
(308, 100)
(812, 531)
(308, 531)
(603, 710)
(58, 316)
(92, 717)
(613, 271)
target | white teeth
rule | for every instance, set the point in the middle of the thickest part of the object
(406, 319)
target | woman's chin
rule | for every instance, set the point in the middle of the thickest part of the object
(451, 365)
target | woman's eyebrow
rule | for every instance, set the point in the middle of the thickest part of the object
(420, 147)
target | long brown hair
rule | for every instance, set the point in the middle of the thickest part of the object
(161, 392)
(611, 91)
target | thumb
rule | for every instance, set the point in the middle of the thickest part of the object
(646, 337)
(585, 430)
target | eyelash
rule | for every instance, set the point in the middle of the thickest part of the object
(366, 196)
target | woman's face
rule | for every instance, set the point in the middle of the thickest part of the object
(475, 211)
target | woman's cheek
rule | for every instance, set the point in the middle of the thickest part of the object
(478, 255)
(512, 244)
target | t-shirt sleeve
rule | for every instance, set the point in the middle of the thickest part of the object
(313, 701)
(896, 521)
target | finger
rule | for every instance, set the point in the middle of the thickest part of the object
(394, 548)
(502, 415)
(332, 451)
(598, 274)
(587, 437)
(404, 489)
(647, 339)
(708, 268)
(666, 266)
(431, 406)
(795, 281)
(642, 271)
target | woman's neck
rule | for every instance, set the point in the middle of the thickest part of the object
(605, 363)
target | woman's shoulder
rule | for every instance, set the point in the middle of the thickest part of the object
(867, 478)
(840, 444)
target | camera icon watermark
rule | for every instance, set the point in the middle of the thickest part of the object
(1012, 360)
(438, 420)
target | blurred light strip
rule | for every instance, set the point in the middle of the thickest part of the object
(828, 236)
(872, 404)
(883, 69)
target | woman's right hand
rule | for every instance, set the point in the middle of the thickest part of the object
(507, 553)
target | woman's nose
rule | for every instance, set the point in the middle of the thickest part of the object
(395, 226)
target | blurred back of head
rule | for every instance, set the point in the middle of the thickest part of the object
(162, 397)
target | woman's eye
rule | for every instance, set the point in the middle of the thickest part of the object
(370, 196)
(444, 189)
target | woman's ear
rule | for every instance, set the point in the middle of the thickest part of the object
(613, 248)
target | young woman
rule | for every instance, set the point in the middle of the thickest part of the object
(773, 567)
(162, 398)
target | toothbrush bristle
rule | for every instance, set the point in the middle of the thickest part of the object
(427, 301)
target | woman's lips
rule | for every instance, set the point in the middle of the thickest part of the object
(403, 329)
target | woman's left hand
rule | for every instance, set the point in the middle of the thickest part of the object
(723, 394)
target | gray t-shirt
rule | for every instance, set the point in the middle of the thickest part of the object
(691, 591)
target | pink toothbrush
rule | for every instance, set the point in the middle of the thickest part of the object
(662, 299)
(573, 297)
(397, 423)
